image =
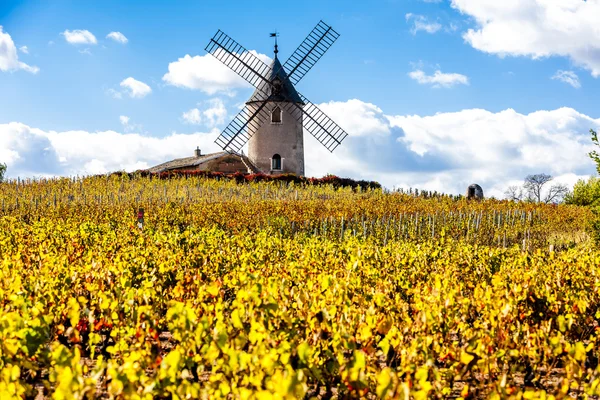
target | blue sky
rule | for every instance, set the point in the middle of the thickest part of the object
(490, 58)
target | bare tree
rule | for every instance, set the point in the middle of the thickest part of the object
(556, 193)
(534, 187)
(514, 193)
(534, 184)
(534, 190)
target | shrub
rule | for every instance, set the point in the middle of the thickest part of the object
(585, 193)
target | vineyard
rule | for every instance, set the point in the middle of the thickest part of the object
(189, 287)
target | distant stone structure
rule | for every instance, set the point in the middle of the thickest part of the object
(223, 161)
(474, 191)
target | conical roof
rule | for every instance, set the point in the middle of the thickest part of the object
(288, 92)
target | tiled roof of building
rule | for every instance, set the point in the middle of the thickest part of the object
(186, 162)
(193, 162)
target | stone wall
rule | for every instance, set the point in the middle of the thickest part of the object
(285, 139)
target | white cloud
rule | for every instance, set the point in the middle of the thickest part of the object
(9, 60)
(448, 151)
(496, 147)
(444, 152)
(422, 23)
(137, 89)
(357, 117)
(34, 152)
(79, 36)
(211, 116)
(114, 93)
(536, 29)
(192, 116)
(128, 126)
(24, 49)
(117, 37)
(216, 112)
(569, 77)
(207, 74)
(438, 79)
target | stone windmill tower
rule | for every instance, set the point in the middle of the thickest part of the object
(275, 117)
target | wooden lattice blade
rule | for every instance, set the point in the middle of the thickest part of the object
(238, 58)
(318, 41)
(241, 128)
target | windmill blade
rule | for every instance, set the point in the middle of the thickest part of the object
(310, 51)
(317, 123)
(242, 127)
(236, 57)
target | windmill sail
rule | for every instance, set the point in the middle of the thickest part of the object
(317, 123)
(237, 58)
(318, 41)
(262, 77)
(242, 127)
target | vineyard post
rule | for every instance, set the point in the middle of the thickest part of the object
(364, 226)
(417, 226)
(140, 218)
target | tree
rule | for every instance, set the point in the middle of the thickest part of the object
(585, 193)
(2, 171)
(594, 154)
(534, 186)
(514, 193)
(534, 189)
(588, 193)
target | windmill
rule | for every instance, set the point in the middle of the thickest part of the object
(273, 120)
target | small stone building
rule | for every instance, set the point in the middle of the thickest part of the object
(223, 161)
(474, 191)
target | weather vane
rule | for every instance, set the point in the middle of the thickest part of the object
(275, 35)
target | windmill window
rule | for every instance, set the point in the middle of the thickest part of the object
(276, 115)
(276, 162)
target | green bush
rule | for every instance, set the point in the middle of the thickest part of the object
(588, 193)
(585, 193)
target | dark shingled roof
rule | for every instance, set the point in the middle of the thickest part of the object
(186, 162)
(287, 91)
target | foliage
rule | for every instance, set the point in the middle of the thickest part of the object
(585, 193)
(594, 154)
(290, 209)
(333, 180)
(2, 171)
(266, 290)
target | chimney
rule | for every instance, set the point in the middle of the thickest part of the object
(197, 152)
